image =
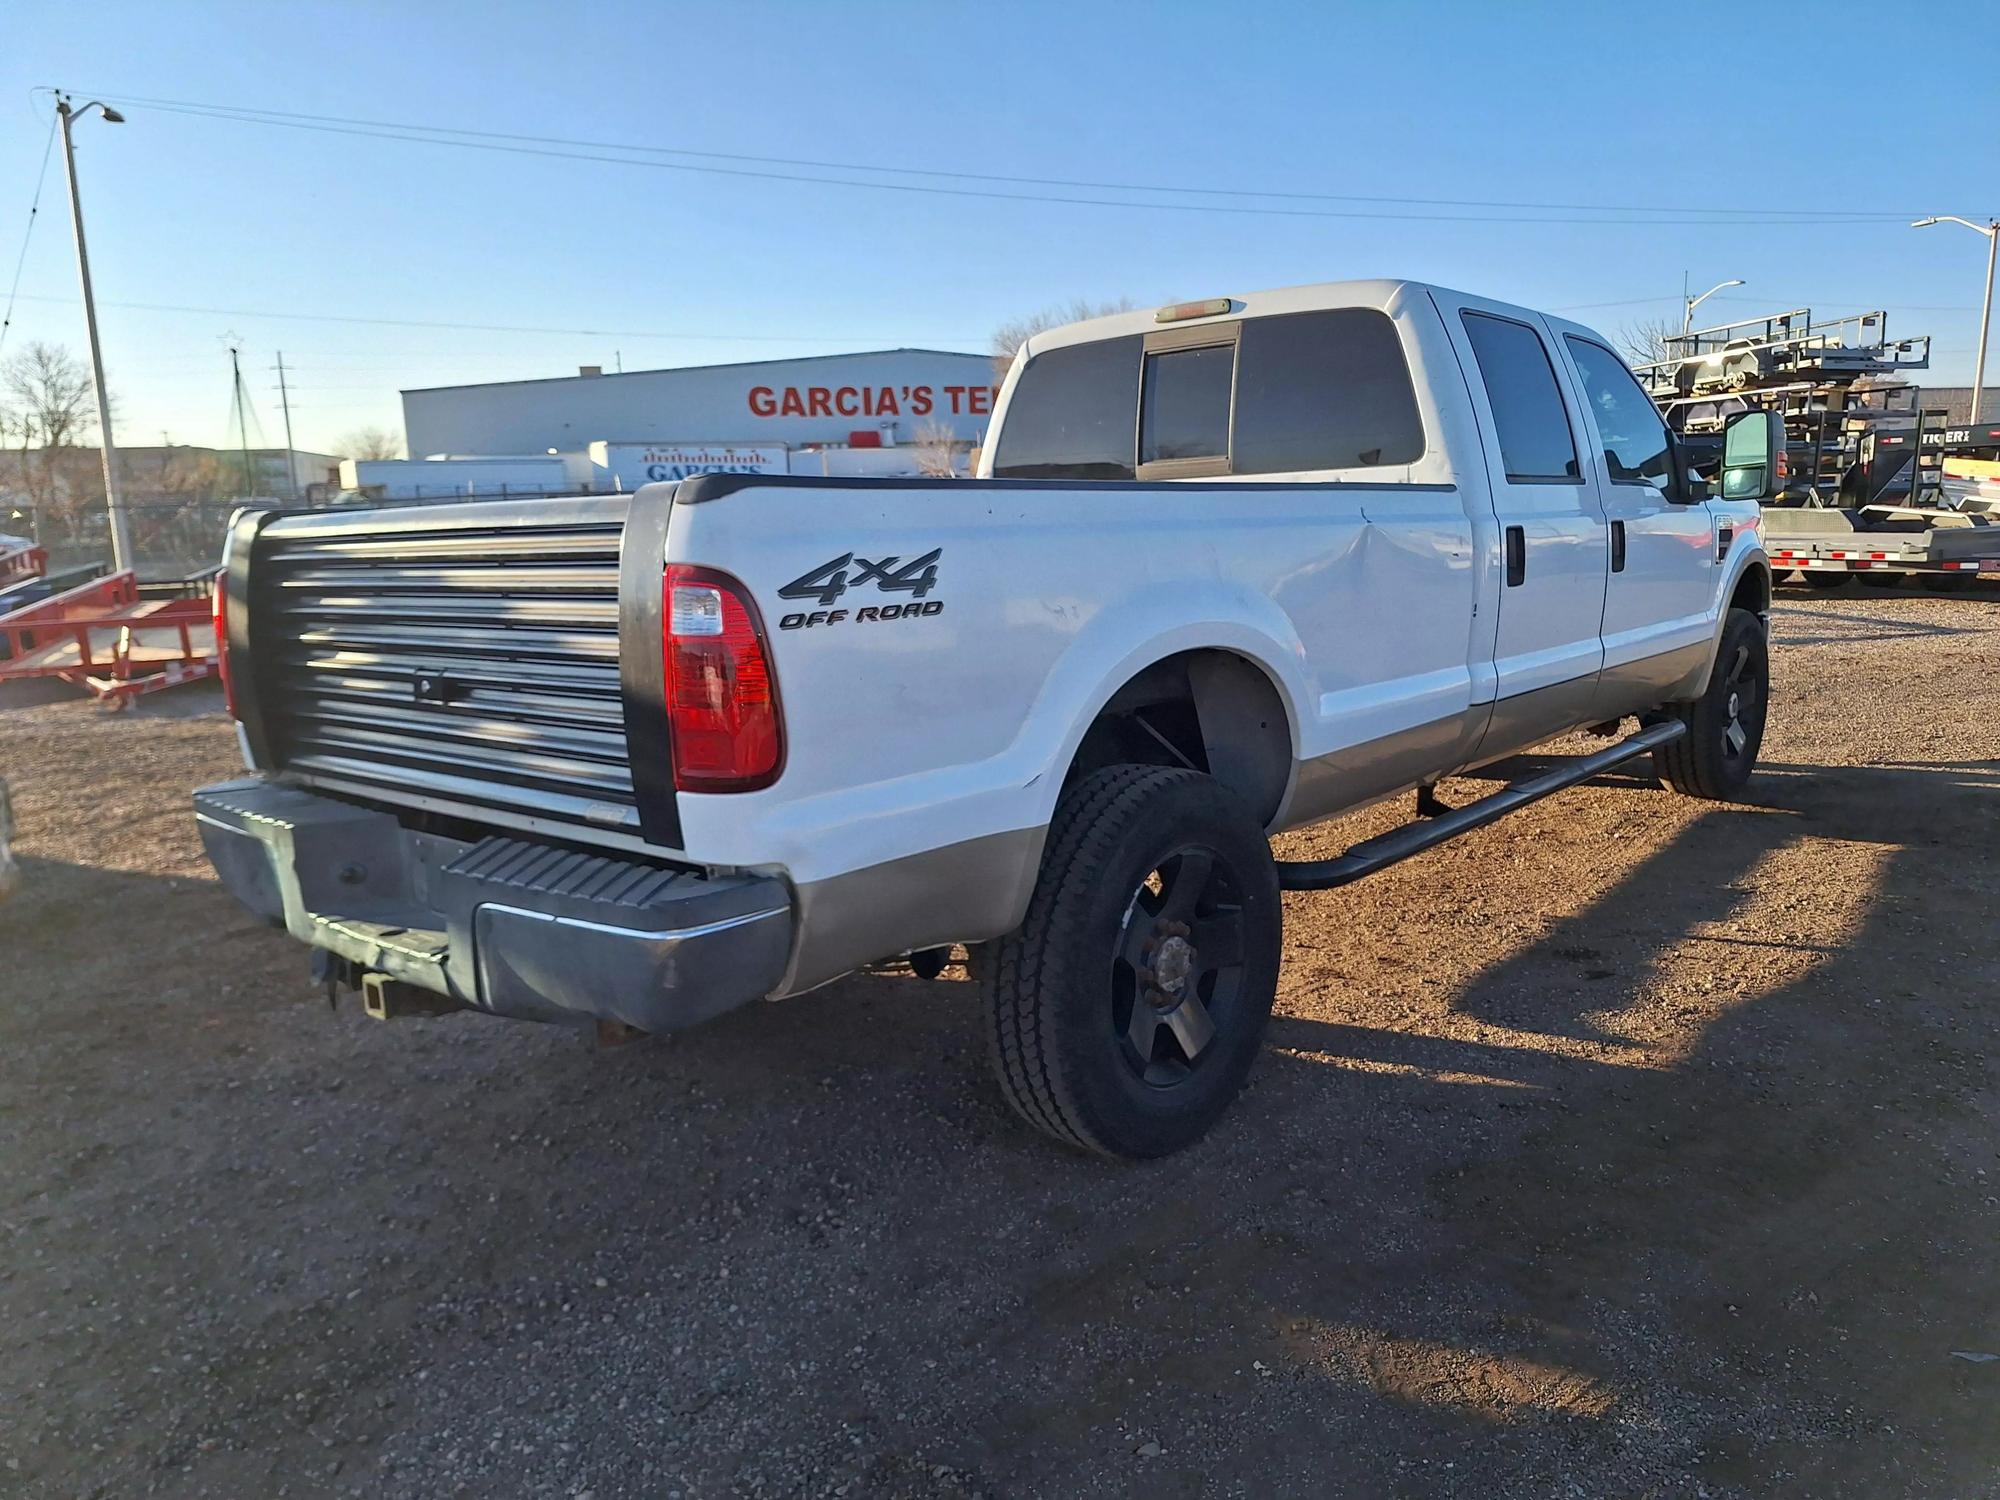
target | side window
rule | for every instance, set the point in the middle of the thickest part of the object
(1636, 449)
(1324, 390)
(1072, 414)
(1184, 409)
(1535, 440)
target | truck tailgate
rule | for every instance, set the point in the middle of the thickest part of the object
(463, 659)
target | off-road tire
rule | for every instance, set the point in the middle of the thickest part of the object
(1705, 762)
(1052, 987)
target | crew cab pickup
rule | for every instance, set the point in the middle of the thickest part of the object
(1227, 568)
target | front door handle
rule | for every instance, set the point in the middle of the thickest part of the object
(1617, 546)
(1517, 556)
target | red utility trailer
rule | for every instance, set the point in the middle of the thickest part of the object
(105, 637)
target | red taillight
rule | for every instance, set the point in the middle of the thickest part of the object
(721, 698)
(219, 618)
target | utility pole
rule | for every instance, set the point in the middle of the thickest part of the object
(1991, 229)
(291, 461)
(121, 531)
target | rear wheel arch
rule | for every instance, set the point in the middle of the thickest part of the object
(1211, 710)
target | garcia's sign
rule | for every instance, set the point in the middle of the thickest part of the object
(634, 464)
(872, 400)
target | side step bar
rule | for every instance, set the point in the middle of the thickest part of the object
(1399, 844)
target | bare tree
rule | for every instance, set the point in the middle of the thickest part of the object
(371, 442)
(1644, 342)
(46, 407)
(1011, 335)
(939, 451)
(47, 393)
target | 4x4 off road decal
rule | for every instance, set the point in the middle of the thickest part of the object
(891, 575)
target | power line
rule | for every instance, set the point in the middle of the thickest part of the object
(1617, 302)
(596, 333)
(280, 116)
(442, 136)
(34, 207)
(1890, 305)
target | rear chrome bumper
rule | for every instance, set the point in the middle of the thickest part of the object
(505, 925)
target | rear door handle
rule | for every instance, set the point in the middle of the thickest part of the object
(1517, 556)
(1617, 546)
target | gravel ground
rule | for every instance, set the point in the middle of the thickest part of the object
(1632, 1147)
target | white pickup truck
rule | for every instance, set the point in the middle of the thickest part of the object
(1227, 568)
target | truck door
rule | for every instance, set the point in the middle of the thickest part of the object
(1553, 538)
(1657, 605)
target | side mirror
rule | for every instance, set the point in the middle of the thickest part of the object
(1753, 456)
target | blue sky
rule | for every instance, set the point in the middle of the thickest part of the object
(1516, 103)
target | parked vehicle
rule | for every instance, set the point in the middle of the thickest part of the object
(1228, 568)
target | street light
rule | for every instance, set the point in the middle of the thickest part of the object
(1687, 313)
(1991, 229)
(121, 535)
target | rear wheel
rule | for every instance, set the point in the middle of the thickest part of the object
(1715, 757)
(1819, 580)
(1125, 1012)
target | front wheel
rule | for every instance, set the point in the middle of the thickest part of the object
(1715, 757)
(1125, 1012)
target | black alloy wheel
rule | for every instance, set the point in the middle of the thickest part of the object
(1177, 966)
(1725, 731)
(1126, 1010)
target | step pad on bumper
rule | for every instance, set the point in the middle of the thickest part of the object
(503, 924)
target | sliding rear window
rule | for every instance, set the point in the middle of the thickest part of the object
(1302, 392)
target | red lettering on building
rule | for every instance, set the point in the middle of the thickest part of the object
(868, 401)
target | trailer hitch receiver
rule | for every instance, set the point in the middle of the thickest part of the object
(389, 999)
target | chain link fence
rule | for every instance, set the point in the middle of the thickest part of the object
(172, 539)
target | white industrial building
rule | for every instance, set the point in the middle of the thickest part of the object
(828, 414)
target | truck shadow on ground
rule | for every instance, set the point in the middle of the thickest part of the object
(1659, 1225)
(1671, 1160)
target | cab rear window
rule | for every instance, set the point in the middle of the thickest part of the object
(1288, 394)
(1074, 414)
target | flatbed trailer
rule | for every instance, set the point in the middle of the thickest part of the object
(1827, 546)
(105, 638)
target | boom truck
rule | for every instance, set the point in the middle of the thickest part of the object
(1227, 568)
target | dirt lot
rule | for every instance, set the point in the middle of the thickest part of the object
(1633, 1147)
